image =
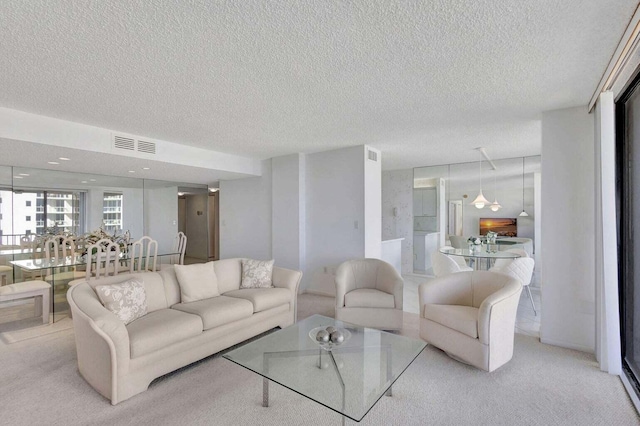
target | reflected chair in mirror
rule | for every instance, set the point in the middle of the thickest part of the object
(143, 255)
(443, 264)
(61, 250)
(369, 294)
(471, 316)
(102, 259)
(458, 241)
(520, 269)
(179, 249)
(36, 251)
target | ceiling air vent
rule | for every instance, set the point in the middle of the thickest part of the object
(373, 156)
(121, 142)
(146, 147)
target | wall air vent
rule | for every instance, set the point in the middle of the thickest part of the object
(373, 156)
(121, 142)
(146, 147)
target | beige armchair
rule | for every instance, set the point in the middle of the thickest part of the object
(369, 294)
(471, 316)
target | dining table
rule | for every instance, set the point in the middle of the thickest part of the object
(51, 270)
(482, 258)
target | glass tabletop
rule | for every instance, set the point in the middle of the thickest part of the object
(483, 254)
(43, 263)
(349, 379)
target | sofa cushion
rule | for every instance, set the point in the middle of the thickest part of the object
(128, 300)
(197, 282)
(369, 298)
(256, 273)
(217, 311)
(162, 328)
(229, 273)
(263, 298)
(460, 318)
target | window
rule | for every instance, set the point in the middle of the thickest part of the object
(28, 218)
(28, 202)
(112, 212)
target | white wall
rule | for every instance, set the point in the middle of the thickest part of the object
(196, 226)
(161, 216)
(372, 204)
(288, 214)
(568, 229)
(335, 206)
(397, 193)
(245, 216)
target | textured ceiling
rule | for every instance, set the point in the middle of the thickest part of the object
(425, 82)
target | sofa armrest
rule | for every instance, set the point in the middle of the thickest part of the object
(286, 278)
(497, 313)
(102, 341)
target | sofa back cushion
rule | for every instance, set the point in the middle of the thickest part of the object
(229, 273)
(152, 282)
(197, 281)
(171, 286)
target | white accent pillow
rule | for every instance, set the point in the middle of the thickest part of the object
(128, 300)
(197, 281)
(257, 273)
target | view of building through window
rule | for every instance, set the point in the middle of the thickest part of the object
(112, 212)
(31, 212)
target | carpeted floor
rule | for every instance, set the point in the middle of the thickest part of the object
(542, 385)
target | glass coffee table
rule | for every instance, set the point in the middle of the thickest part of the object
(348, 379)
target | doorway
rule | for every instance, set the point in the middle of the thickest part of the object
(198, 213)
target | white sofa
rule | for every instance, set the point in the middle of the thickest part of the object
(120, 360)
(471, 316)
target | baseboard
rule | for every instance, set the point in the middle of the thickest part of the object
(632, 393)
(567, 345)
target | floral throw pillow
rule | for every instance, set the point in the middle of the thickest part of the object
(128, 300)
(256, 273)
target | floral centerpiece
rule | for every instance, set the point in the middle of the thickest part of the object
(475, 244)
(100, 234)
(492, 237)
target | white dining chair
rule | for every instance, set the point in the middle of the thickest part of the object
(520, 268)
(103, 259)
(143, 255)
(58, 250)
(443, 265)
(500, 263)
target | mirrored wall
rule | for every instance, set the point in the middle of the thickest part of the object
(35, 202)
(443, 203)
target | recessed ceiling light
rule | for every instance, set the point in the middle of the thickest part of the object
(180, 194)
(92, 180)
(52, 162)
(132, 171)
(145, 168)
(17, 177)
(23, 174)
(64, 158)
(84, 181)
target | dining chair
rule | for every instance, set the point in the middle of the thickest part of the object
(58, 249)
(460, 260)
(501, 263)
(103, 259)
(521, 269)
(143, 255)
(443, 265)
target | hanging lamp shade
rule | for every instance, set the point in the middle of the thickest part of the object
(495, 206)
(480, 200)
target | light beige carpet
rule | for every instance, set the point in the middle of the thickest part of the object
(542, 385)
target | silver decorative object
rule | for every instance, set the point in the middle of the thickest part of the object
(331, 329)
(337, 337)
(323, 336)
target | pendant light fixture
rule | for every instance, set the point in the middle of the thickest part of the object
(480, 200)
(495, 206)
(523, 214)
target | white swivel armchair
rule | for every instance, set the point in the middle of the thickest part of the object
(471, 316)
(369, 294)
(443, 264)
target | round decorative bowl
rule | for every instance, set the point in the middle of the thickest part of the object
(329, 344)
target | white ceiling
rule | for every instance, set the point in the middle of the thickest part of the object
(425, 82)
